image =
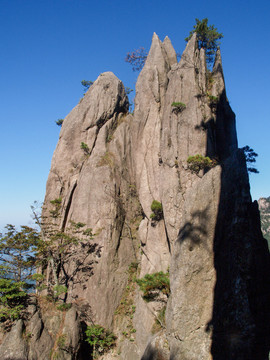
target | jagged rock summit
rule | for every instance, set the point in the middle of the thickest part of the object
(108, 168)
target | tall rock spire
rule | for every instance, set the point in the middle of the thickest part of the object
(108, 168)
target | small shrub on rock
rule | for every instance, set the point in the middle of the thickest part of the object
(57, 206)
(199, 162)
(59, 122)
(85, 148)
(157, 209)
(178, 107)
(64, 307)
(151, 284)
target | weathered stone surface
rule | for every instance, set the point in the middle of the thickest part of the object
(157, 348)
(92, 189)
(193, 276)
(264, 207)
(46, 335)
(13, 346)
(209, 237)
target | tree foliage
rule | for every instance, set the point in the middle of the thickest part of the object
(207, 37)
(85, 148)
(250, 156)
(157, 209)
(59, 122)
(150, 284)
(12, 299)
(17, 262)
(56, 251)
(100, 339)
(49, 251)
(136, 58)
(17, 252)
(178, 107)
(86, 84)
(199, 162)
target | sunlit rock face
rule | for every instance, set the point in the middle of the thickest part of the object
(108, 168)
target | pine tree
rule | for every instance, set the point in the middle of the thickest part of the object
(207, 37)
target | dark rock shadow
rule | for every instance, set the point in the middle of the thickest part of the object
(153, 353)
(240, 323)
(195, 230)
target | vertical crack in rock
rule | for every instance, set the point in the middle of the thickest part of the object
(67, 207)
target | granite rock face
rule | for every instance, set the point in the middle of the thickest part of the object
(45, 333)
(264, 207)
(208, 236)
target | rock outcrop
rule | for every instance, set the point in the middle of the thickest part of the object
(108, 168)
(264, 207)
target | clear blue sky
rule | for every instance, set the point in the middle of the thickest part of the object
(49, 46)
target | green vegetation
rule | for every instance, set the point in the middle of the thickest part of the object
(61, 341)
(157, 209)
(23, 251)
(54, 250)
(178, 107)
(64, 306)
(100, 339)
(59, 122)
(199, 162)
(250, 156)
(17, 250)
(85, 148)
(86, 84)
(126, 308)
(17, 262)
(57, 206)
(59, 290)
(151, 284)
(12, 299)
(213, 99)
(159, 320)
(77, 225)
(128, 90)
(207, 37)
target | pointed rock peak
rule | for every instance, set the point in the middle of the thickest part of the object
(155, 36)
(155, 56)
(218, 87)
(217, 68)
(188, 54)
(156, 43)
(167, 46)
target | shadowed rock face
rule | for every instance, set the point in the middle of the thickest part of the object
(209, 236)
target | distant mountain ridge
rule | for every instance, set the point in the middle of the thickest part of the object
(264, 207)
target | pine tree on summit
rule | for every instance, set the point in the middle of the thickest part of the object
(207, 37)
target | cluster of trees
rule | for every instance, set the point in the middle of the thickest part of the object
(17, 262)
(27, 251)
(207, 38)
